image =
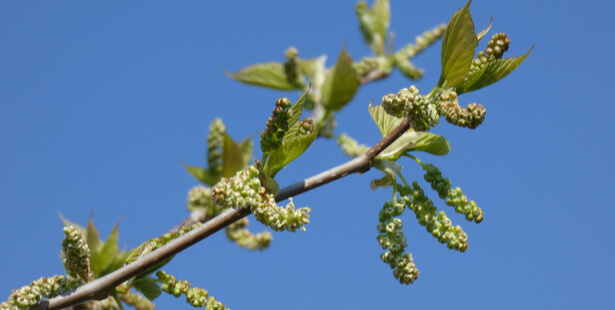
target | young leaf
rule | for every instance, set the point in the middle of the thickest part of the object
(270, 74)
(385, 122)
(235, 156)
(340, 84)
(481, 34)
(107, 253)
(295, 113)
(492, 72)
(416, 141)
(148, 287)
(289, 150)
(203, 175)
(92, 237)
(458, 46)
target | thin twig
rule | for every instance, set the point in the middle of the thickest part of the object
(102, 287)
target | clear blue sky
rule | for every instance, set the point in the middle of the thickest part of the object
(100, 103)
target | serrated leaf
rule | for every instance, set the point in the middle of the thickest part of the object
(458, 46)
(107, 253)
(118, 262)
(287, 152)
(492, 72)
(295, 113)
(415, 141)
(92, 237)
(481, 34)
(203, 175)
(234, 156)
(270, 74)
(148, 287)
(385, 122)
(340, 85)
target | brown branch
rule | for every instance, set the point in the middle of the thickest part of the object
(102, 287)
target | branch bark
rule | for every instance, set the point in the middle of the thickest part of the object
(102, 287)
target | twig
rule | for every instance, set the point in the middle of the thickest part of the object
(102, 287)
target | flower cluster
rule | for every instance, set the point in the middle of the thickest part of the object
(292, 67)
(31, 294)
(420, 112)
(470, 117)
(365, 66)
(306, 126)
(245, 190)
(391, 238)
(495, 49)
(277, 126)
(108, 303)
(350, 147)
(76, 255)
(137, 301)
(460, 202)
(438, 182)
(437, 223)
(197, 297)
(421, 42)
(215, 142)
(199, 197)
(244, 238)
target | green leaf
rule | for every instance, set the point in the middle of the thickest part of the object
(458, 46)
(340, 84)
(234, 156)
(92, 237)
(287, 152)
(492, 72)
(107, 253)
(295, 113)
(270, 74)
(385, 122)
(148, 287)
(203, 175)
(481, 34)
(416, 141)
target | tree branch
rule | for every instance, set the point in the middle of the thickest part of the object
(102, 287)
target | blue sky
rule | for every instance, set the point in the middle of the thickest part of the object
(100, 103)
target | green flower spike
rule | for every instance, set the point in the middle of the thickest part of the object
(277, 126)
(350, 147)
(421, 114)
(391, 238)
(438, 182)
(459, 201)
(245, 190)
(292, 67)
(196, 297)
(470, 117)
(76, 255)
(436, 223)
(199, 197)
(215, 141)
(30, 295)
(244, 238)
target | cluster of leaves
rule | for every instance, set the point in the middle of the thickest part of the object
(333, 88)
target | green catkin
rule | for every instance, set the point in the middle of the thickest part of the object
(391, 238)
(277, 126)
(436, 223)
(459, 201)
(215, 142)
(244, 190)
(76, 254)
(408, 103)
(199, 197)
(196, 297)
(470, 117)
(30, 295)
(350, 147)
(244, 238)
